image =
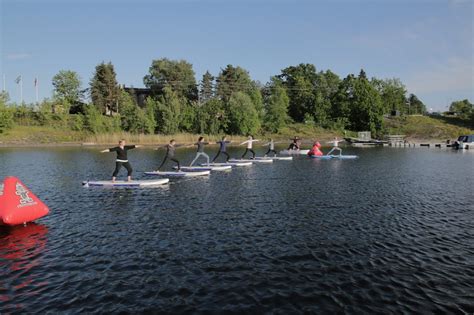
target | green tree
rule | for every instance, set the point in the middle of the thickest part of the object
(325, 87)
(135, 119)
(207, 87)
(6, 114)
(104, 88)
(300, 81)
(342, 101)
(169, 111)
(393, 94)
(93, 119)
(243, 118)
(366, 107)
(177, 75)
(67, 89)
(276, 106)
(462, 108)
(232, 79)
(210, 117)
(255, 93)
(415, 106)
(150, 121)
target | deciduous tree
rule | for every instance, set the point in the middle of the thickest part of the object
(176, 75)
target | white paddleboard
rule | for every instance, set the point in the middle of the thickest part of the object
(338, 157)
(276, 158)
(179, 173)
(236, 164)
(121, 183)
(251, 161)
(205, 168)
(291, 152)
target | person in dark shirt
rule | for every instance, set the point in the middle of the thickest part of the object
(170, 151)
(295, 145)
(222, 148)
(271, 147)
(122, 159)
(200, 150)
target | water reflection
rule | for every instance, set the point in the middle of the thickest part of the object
(21, 249)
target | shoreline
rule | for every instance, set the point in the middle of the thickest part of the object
(185, 144)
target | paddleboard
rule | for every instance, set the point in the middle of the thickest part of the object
(121, 183)
(233, 164)
(339, 157)
(179, 173)
(205, 168)
(250, 161)
(276, 158)
(291, 152)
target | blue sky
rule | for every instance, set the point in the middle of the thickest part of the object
(428, 44)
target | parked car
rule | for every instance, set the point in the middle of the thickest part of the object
(464, 142)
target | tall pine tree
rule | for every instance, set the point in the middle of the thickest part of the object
(207, 87)
(104, 89)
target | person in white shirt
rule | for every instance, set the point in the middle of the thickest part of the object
(249, 143)
(335, 144)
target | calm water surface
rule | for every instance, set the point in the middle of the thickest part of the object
(390, 232)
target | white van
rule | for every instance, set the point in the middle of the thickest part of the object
(464, 142)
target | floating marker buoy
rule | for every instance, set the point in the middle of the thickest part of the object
(18, 204)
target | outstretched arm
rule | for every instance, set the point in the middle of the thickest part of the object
(244, 142)
(161, 146)
(106, 150)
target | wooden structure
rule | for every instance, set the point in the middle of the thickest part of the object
(139, 94)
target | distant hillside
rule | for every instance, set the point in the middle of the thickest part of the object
(428, 127)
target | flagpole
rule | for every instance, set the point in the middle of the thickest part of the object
(21, 90)
(36, 87)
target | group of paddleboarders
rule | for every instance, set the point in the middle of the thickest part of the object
(122, 149)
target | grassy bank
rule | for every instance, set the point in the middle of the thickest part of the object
(416, 128)
(49, 135)
(420, 128)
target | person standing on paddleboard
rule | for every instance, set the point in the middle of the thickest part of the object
(122, 159)
(222, 149)
(249, 143)
(335, 144)
(170, 151)
(271, 147)
(295, 145)
(200, 150)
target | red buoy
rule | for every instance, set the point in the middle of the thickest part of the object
(18, 204)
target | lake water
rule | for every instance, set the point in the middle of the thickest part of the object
(390, 232)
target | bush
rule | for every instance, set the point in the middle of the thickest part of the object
(6, 118)
(135, 119)
(76, 122)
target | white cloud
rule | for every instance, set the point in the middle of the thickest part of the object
(18, 56)
(453, 75)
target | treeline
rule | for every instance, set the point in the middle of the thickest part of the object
(230, 102)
